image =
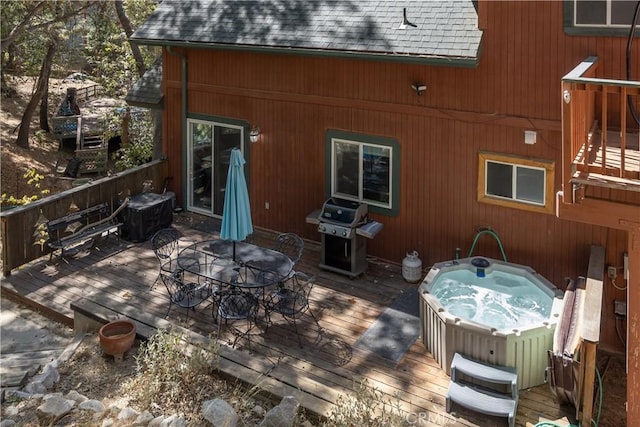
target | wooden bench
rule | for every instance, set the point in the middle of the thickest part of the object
(77, 228)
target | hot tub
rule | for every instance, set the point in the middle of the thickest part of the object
(496, 312)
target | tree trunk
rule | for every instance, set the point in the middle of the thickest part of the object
(44, 104)
(124, 128)
(156, 115)
(126, 26)
(25, 123)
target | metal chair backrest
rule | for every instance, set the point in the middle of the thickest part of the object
(165, 244)
(291, 301)
(237, 305)
(184, 294)
(293, 298)
(291, 245)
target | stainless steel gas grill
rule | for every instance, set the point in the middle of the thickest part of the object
(344, 226)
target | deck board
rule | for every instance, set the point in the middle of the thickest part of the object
(120, 274)
(601, 163)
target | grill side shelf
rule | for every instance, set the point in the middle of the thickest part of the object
(370, 229)
(314, 217)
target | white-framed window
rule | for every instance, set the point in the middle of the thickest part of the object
(362, 171)
(603, 13)
(516, 182)
(599, 17)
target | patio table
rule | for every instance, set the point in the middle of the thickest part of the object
(253, 267)
(247, 268)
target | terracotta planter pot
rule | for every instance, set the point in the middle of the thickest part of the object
(117, 337)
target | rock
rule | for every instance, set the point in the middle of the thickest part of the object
(50, 395)
(108, 422)
(114, 409)
(157, 421)
(92, 405)
(54, 408)
(283, 415)
(74, 395)
(143, 419)
(219, 413)
(173, 421)
(127, 414)
(11, 411)
(35, 387)
(258, 410)
(46, 379)
(7, 423)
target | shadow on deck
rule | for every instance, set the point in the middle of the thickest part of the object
(118, 276)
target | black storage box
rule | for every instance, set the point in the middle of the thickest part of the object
(145, 214)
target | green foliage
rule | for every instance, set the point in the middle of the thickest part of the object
(40, 232)
(32, 179)
(365, 407)
(107, 50)
(139, 10)
(58, 22)
(87, 35)
(140, 134)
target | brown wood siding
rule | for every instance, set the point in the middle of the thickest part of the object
(516, 87)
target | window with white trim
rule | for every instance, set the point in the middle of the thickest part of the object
(604, 13)
(600, 17)
(516, 182)
(362, 171)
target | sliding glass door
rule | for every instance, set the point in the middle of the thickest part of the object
(208, 152)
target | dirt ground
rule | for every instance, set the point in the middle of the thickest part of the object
(43, 154)
(614, 391)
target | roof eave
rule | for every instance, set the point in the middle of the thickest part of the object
(448, 61)
(151, 105)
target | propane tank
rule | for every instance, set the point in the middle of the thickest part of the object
(412, 267)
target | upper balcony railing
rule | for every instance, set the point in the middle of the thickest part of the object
(600, 133)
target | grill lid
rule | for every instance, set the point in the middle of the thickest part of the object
(343, 212)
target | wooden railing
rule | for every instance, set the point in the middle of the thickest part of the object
(87, 93)
(600, 143)
(20, 237)
(67, 126)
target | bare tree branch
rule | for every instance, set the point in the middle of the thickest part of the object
(20, 28)
(24, 27)
(126, 26)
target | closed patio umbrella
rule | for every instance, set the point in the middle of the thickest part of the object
(236, 213)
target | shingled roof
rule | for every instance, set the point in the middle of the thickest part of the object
(434, 31)
(147, 92)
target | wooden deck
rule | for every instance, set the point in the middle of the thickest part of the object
(607, 165)
(120, 274)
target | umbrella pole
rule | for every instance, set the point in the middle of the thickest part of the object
(234, 251)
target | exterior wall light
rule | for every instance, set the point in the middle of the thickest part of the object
(566, 95)
(419, 88)
(254, 134)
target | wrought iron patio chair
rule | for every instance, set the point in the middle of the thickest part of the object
(185, 294)
(291, 245)
(291, 301)
(234, 305)
(165, 245)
